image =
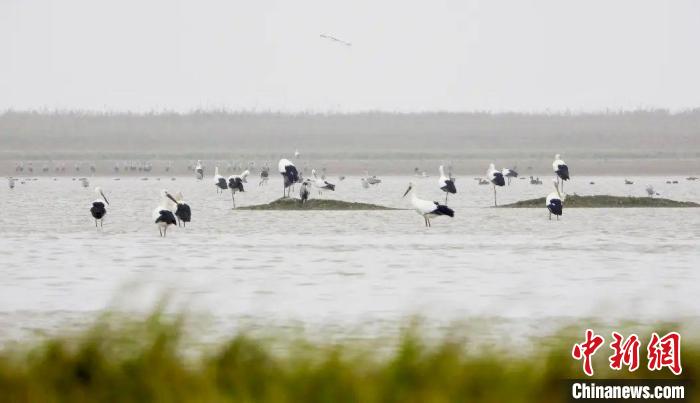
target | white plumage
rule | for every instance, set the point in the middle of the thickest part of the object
(446, 184)
(199, 170)
(561, 170)
(98, 210)
(235, 183)
(427, 209)
(163, 215)
(289, 173)
(496, 178)
(219, 181)
(320, 183)
(555, 202)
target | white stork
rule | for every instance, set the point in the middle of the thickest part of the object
(98, 210)
(219, 181)
(321, 183)
(446, 184)
(496, 178)
(163, 215)
(561, 170)
(509, 173)
(289, 173)
(555, 202)
(428, 209)
(235, 183)
(183, 212)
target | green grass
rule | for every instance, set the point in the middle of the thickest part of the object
(604, 201)
(315, 204)
(147, 361)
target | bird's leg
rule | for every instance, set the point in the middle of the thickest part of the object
(446, 194)
(95, 223)
(550, 216)
(101, 223)
(160, 230)
(495, 203)
(557, 218)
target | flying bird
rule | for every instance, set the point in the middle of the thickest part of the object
(334, 39)
(98, 210)
(428, 209)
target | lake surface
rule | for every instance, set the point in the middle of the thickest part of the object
(338, 268)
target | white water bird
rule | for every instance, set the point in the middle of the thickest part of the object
(446, 184)
(289, 173)
(219, 181)
(320, 183)
(235, 183)
(98, 209)
(555, 202)
(509, 173)
(183, 212)
(496, 178)
(11, 183)
(199, 170)
(561, 170)
(428, 209)
(296, 154)
(365, 184)
(163, 215)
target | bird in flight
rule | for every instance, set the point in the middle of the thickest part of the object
(333, 38)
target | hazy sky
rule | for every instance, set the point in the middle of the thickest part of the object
(406, 55)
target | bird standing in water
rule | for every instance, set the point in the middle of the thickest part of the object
(428, 209)
(98, 209)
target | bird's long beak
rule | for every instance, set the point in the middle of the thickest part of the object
(171, 198)
(407, 190)
(103, 196)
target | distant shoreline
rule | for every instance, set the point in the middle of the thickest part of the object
(654, 142)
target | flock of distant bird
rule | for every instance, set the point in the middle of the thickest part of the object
(173, 210)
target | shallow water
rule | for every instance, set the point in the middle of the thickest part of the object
(340, 268)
